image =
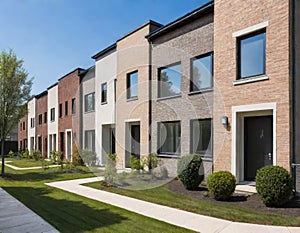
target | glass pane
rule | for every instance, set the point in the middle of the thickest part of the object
(170, 137)
(252, 55)
(202, 136)
(133, 85)
(202, 73)
(170, 81)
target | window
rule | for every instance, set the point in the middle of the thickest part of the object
(132, 85)
(169, 137)
(73, 106)
(104, 93)
(45, 117)
(252, 55)
(89, 102)
(52, 114)
(201, 132)
(32, 122)
(24, 125)
(169, 79)
(20, 126)
(202, 73)
(40, 119)
(60, 110)
(66, 108)
(89, 143)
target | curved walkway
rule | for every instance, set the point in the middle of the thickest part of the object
(192, 221)
(16, 217)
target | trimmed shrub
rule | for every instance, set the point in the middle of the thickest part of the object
(221, 185)
(37, 155)
(135, 163)
(76, 157)
(151, 161)
(110, 172)
(274, 185)
(89, 157)
(25, 154)
(190, 171)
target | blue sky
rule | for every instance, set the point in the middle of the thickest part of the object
(54, 37)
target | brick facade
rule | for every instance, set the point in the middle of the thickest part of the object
(232, 16)
(68, 124)
(182, 44)
(22, 133)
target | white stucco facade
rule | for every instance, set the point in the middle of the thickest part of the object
(52, 119)
(31, 124)
(105, 72)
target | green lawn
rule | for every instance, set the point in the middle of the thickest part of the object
(70, 212)
(24, 163)
(161, 195)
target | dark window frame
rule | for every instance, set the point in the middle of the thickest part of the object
(160, 145)
(52, 114)
(238, 55)
(40, 119)
(211, 54)
(60, 110)
(66, 108)
(86, 110)
(128, 85)
(192, 149)
(159, 79)
(45, 117)
(74, 106)
(104, 93)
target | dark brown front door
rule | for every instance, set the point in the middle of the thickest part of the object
(258, 144)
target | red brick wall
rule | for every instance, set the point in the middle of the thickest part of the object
(41, 129)
(68, 88)
(22, 134)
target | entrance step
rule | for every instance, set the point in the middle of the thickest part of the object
(246, 188)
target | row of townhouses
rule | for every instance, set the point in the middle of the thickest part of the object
(221, 81)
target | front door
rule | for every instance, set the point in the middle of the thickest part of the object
(258, 144)
(135, 140)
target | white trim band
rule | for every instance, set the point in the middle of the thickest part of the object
(250, 29)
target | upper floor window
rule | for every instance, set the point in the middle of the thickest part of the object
(132, 85)
(24, 125)
(89, 102)
(40, 119)
(52, 114)
(169, 137)
(60, 111)
(201, 137)
(45, 117)
(252, 55)
(32, 122)
(169, 81)
(202, 73)
(66, 108)
(73, 106)
(104, 93)
(21, 126)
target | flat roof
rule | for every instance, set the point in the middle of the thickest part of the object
(205, 9)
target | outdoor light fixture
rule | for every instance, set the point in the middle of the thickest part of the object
(224, 121)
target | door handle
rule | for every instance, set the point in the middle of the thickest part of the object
(269, 156)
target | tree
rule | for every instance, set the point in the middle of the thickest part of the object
(15, 91)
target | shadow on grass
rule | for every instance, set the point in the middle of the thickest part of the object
(66, 215)
(42, 175)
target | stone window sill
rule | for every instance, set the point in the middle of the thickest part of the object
(250, 80)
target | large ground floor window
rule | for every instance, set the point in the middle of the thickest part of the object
(169, 137)
(201, 134)
(89, 142)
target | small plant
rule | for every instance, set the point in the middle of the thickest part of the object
(11, 154)
(110, 172)
(221, 185)
(190, 171)
(150, 161)
(135, 163)
(37, 155)
(76, 158)
(89, 157)
(57, 157)
(274, 185)
(25, 154)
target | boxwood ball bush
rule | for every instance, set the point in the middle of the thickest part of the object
(221, 185)
(190, 171)
(274, 185)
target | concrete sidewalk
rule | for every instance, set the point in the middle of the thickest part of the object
(25, 168)
(16, 217)
(196, 222)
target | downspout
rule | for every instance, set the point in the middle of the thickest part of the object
(150, 95)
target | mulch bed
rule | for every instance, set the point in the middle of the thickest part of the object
(292, 208)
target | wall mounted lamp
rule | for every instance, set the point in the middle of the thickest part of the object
(224, 121)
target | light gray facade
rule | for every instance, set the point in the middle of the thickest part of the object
(87, 87)
(179, 43)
